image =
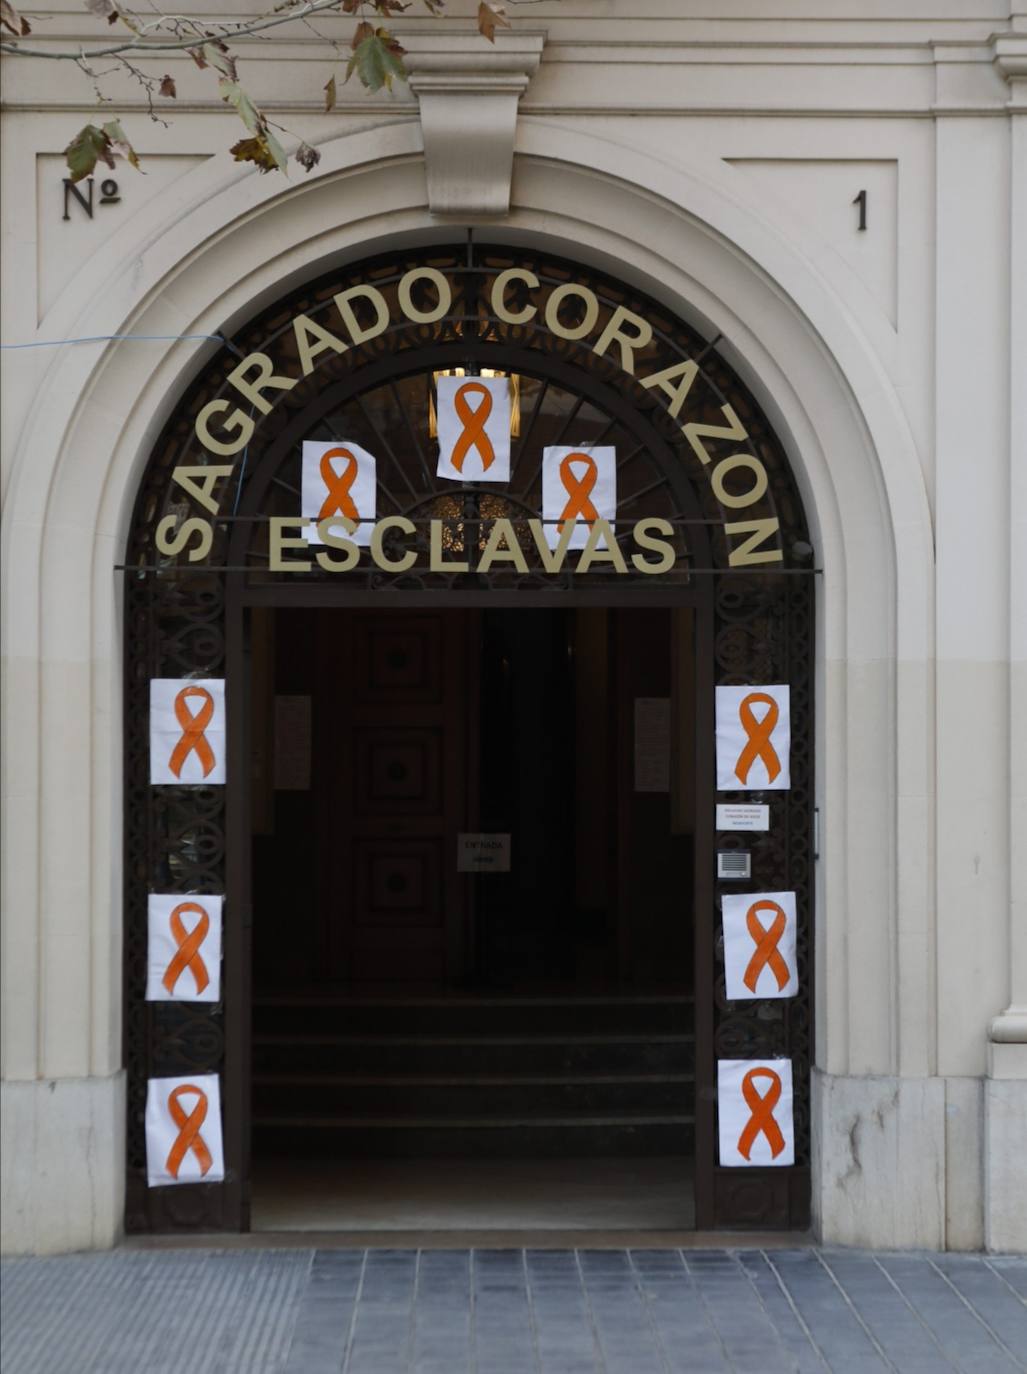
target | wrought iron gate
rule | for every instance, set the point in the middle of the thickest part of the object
(183, 619)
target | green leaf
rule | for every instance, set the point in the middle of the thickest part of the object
(377, 61)
(276, 150)
(218, 56)
(233, 94)
(85, 150)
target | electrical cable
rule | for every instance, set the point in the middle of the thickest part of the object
(120, 338)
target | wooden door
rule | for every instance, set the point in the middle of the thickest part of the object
(394, 718)
(651, 668)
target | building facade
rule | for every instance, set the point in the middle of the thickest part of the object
(771, 258)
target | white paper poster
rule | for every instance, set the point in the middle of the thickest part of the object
(338, 479)
(184, 948)
(759, 945)
(483, 853)
(183, 1131)
(187, 730)
(753, 739)
(580, 485)
(754, 1112)
(474, 429)
(743, 816)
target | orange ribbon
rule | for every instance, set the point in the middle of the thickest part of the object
(187, 956)
(578, 489)
(193, 726)
(188, 1137)
(758, 745)
(474, 422)
(338, 484)
(761, 1119)
(766, 953)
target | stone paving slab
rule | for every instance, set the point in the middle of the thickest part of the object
(381, 1311)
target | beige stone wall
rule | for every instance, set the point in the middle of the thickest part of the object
(713, 160)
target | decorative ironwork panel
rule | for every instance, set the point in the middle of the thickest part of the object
(600, 386)
(175, 843)
(764, 635)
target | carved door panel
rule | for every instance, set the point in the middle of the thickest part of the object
(393, 720)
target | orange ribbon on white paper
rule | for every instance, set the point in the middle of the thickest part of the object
(754, 738)
(188, 955)
(184, 1144)
(339, 485)
(183, 947)
(766, 939)
(755, 1123)
(474, 422)
(760, 958)
(759, 744)
(193, 727)
(761, 1108)
(578, 489)
(473, 416)
(188, 1137)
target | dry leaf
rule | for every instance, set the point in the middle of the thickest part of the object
(363, 31)
(119, 144)
(255, 150)
(11, 19)
(488, 17)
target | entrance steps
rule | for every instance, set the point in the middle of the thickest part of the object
(338, 1077)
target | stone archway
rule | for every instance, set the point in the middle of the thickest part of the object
(66, 532)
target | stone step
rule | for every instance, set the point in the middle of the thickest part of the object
(542, 1055)
(318, 1137)
(472, 1096)
(480, 1015)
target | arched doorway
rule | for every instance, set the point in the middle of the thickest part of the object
(214, 582)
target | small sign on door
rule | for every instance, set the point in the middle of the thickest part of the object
(483, 853)
(742, 816)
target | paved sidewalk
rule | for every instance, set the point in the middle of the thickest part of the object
(513, 1312)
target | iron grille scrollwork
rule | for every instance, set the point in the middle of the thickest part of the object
(176, 626)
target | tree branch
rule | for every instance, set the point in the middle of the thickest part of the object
(230, 29)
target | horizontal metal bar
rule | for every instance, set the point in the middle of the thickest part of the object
(615, 578)
(462, 519)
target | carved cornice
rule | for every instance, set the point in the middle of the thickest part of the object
(468, 90)
(1009, 55)
(1010, 1028)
